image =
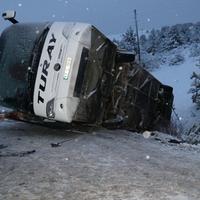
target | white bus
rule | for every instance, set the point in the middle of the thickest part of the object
(66, 72)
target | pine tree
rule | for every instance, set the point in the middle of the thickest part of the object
(195, 90)
(128, 41)
(152, 43)
(194, 33)
(143, 42)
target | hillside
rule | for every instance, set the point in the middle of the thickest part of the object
(178, 76)
(172, 54)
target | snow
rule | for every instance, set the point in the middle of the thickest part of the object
(146, 134)
(179, 78)
(106, 165)
(147, 157)
(37, 32)
(4, 109)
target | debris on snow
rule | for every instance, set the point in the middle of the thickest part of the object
(175, 141)
(18, 154)
(2, 146)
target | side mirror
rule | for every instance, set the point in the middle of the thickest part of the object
(10, 15)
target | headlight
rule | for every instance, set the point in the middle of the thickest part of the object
(50, 109)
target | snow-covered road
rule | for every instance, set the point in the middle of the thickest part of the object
(100, 164)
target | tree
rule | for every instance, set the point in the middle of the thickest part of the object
(152, 42)
(128, 40)
(194, 33)
(195, 90)
(143, 42)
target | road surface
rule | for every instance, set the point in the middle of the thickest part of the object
(99, 164)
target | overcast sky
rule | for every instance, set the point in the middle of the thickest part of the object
(110, 16)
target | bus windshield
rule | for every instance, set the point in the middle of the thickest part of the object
(20, 51)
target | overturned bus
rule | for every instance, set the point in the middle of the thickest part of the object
(71, 72)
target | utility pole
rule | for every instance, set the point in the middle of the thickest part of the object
(137, 35)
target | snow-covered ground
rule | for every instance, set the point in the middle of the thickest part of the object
(94, 165)
(178, 76)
